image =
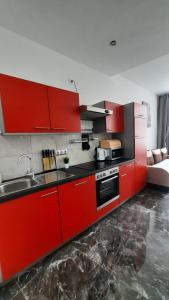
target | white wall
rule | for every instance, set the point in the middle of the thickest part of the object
(26, 59)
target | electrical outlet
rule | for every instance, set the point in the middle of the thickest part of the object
(61, 151)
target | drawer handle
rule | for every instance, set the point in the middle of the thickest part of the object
(83, 182)
(123, 175)
(129, 165)
(41, 127)
(48, 194)
(57, 128)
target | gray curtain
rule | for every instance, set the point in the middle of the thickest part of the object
(163, 121)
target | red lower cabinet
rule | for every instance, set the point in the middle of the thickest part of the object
(77, 206)
(29, 229)
(105, 210)
(140, 176)
(126, 181)
(140, 164)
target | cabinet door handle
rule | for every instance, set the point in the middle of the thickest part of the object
(41, 127)
(123, 175)
(83, 182)
(58, 128)
(129, 165)
(48, 194)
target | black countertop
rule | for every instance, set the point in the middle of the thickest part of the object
(78, 171)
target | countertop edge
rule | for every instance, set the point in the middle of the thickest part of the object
(75, 168)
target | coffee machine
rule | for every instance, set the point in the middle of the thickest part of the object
(101, 154)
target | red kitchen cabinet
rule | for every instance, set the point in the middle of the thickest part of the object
(29, 107)
(113, 123)
(140, 164)
(24, 106)
(135, 140)
(77, 206)
(126, 181)
(29, 229)
(140, 110)
(108, 208)
(64, 110)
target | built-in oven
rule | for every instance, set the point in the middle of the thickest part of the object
(107, 187)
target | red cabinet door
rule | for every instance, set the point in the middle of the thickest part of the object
(77, 206)
(140, 164)
(64, 110)
(140, 127)
(29, 229)
(24, 105)
(127, 181)
(140, 110)
(114, 123)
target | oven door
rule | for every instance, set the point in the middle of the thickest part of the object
(107, 190)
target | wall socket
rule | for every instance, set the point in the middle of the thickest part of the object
(61, 151)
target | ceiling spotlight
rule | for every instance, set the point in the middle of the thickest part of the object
(113, 43)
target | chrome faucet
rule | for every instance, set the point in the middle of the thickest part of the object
(29, 172)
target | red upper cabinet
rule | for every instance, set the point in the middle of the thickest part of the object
(113, 123)
(140, 110)
(29, 107)
(64, 110)
(77, 206)
(29, 229)
(24, 106)
(140, 127)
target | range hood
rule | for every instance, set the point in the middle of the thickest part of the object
(89, 112)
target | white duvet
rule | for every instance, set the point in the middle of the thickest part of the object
(159, 173)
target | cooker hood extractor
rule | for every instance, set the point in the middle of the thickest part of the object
(89, 112)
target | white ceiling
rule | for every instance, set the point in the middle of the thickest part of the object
(153, 76)
(82, 30)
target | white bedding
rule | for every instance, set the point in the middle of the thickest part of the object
(159, 173)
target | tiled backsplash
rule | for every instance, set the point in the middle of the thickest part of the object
(13, 146)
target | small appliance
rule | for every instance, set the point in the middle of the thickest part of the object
(115, 153)
(101, 154)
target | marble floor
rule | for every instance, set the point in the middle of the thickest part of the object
(123, 257)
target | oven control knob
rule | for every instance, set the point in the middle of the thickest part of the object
(104, 174)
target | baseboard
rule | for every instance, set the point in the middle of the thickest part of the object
(158, 187)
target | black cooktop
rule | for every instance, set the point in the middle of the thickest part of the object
(101, 165)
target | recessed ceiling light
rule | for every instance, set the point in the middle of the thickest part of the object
(113, 43)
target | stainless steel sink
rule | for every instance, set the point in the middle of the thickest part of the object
(26, 183)
(17, 185)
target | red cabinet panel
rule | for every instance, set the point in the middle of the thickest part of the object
(140, 176)
(105, 210)
(127, 181)
(77, 206)
(140, 110)
(29, 229)
(140, 166)
(24, 105)
(140, 150)
(64, 110)
(140, 127)
(114, 123)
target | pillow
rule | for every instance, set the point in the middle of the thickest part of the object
(157, 155)
(164, 153)
(150, 158)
